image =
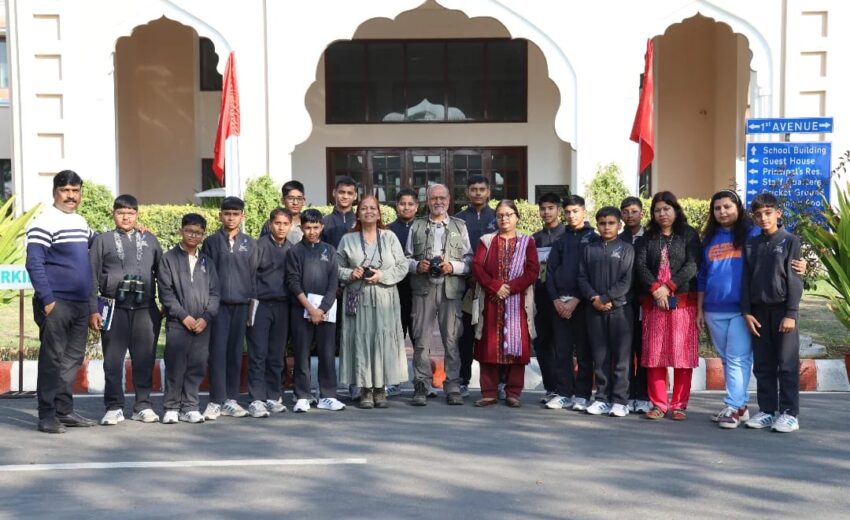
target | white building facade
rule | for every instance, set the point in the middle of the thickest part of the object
(534, 95)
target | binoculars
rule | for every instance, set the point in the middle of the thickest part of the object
(132, 286)
(435, 269)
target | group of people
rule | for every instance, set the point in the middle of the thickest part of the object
(606, 307)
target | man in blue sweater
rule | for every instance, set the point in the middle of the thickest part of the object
(57, 253)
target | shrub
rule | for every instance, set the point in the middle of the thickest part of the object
(163, 220)
(12, 231)
(605, 189)
(388, 213)
(262, 195)
(696, 211)
(96, 206)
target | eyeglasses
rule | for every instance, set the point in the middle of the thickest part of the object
(505, 216)
(293, 199)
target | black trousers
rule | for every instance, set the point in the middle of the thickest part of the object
(776, 362)
(304, 334)
(405, 298)
(227, 340)
(63, 336)
(610, 335)
(637, 372)
(266, 343)
(544, 343)
(186, 356)
(137, 331)
(571, 340)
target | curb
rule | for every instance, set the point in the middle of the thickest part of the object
(816, 375)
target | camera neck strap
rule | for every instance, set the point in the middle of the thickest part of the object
(371, 261)
(119, 246)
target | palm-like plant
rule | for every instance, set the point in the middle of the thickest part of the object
(12, 230)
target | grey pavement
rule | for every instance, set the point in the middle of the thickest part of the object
(437, 462)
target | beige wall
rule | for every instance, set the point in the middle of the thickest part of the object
(156, 91)
(702, 75)
(549, 159)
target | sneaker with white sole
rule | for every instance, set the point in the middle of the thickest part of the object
(501, 392)
(642, 406)
(170, 417)
(212, 412)
(761, 420)
(729, 418)
(112, 417)
(464, 390)
(579, 404)
(599, 408)
(275, 406)
(257, 409)
(330, 403)
(301, 406)
(193, 417)
(786, 423)
(231, 408)
(393, 390)
(146, 416)
(548, 397)
(558, 403)
(619, 410)
(432, 392)
(631, 405)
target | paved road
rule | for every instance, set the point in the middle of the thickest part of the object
(435, 463)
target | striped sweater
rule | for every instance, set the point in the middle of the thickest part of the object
(58, 256)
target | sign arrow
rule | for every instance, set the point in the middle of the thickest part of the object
(754, 160)
(753, 181)
(753, 150)
(752, 192)
(753, 126)
(753, 170)
(825, 124)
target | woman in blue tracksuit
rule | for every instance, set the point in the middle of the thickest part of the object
(719, 299)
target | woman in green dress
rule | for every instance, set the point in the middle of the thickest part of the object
(371, 262)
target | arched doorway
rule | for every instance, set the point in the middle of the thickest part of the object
(518, 152)
(167, 95)
(704, 91)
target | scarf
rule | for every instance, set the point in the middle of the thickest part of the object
(513, 304)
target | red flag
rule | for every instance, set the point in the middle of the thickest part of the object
(643, 129)
(228, 117)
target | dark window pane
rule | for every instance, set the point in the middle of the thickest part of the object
(506, 62)
(425, 84)
(466, 81)
(209, 180)
(344, 76)
(386, 177)
(209, 76)
(385, 85)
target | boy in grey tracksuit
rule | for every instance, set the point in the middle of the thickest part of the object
(188, 290)
(124, 264)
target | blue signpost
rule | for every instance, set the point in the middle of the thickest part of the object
(790, 125)
(798, 172)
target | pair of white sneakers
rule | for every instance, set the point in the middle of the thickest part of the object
(260, 409)
(172, 417)
(113, 417)
(230, 408)
(603, 408)
(325, 403)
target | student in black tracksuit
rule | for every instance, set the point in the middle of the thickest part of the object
(570, 324)
(115, 257)
(268, 329)
(632, 212)
(544, 349)
(235, 256)
(770, 301)
(605, 281)
(188, 290)
(311, 268)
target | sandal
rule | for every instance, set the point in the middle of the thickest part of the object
(655, 414)
(679, 415)
(487, 401)
(513, 402)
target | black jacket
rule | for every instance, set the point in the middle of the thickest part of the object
(109, 270)
(237, 265)
(683, 253)
(336, 225)
(478, 224)
(312, 268)
(564, 259)
(184, 294)
(606, 271)
(768, 277)
(271, 269)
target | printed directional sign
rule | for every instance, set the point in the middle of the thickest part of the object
(800, 125)
(799, 172)
(14, 277)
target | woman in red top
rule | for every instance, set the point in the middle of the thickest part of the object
(505, 267)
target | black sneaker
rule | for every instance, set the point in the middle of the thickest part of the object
(75, 420)
(420, 394)
(454, 399)
(50, 425)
